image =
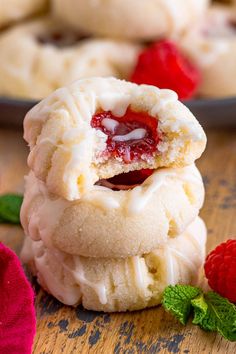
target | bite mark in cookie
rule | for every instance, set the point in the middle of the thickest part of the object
(132, 137)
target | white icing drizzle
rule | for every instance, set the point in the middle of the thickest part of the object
(170, 269)
(43, 222)
(43, 257)
(47, 140)
(68, 294)
(139, 196)
(182, 257)
(99, 288)
(182, 251)
(138, 271)
(135, 134)
(110, 124)
(116, 102)
(143, 279)
(79, 276)
(199, 232)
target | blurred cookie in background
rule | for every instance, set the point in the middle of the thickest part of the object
(143, 20)
(212, 47)
(15, 10)
(39, 56)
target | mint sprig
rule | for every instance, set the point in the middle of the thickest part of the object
(10, 205)
(210, 311)
(177, 299)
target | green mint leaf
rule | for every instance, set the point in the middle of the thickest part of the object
(212, 312)
(201, 314)
(177, 300)
(10, 205)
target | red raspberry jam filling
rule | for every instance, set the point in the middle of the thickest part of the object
(132, 137)
(125, 181)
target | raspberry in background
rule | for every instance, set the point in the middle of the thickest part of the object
(163, 65)
(220, 269)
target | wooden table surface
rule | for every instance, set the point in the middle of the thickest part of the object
(62, 329)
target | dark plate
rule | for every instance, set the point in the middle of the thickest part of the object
(210, 113)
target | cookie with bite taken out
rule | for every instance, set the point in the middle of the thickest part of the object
(98, 128)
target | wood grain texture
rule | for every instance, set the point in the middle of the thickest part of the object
(61, 329)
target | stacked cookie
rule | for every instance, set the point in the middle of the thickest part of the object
(111, 203)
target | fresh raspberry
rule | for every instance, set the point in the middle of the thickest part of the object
(220, 269)
(129, 149)
(164, 66)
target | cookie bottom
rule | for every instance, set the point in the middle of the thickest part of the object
(106, 284)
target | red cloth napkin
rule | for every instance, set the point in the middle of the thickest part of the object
(17, 312)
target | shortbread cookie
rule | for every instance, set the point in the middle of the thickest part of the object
(15, 10)
(212, 47)
(111, 223)
(118, 284)
(145, 20)
(97, 128)
(38, 57)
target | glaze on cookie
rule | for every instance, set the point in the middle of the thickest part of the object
(98, 128)
(106, 284)
(114, 220)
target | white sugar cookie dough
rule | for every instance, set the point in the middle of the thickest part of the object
(15, 10)
(70, 156)
(145, 20)
(118, 284)
(212, 47)
(39, 56)
(108, 223)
